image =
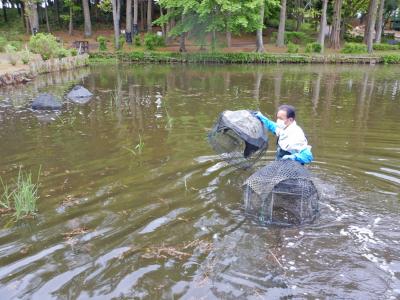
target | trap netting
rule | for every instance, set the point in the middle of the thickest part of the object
(281, 193)
(239, 138)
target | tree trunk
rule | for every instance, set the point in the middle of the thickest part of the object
(86, 16)
(182, 46)
(116, 6)
(33, 16)
(128, 29)
(149, 19)
(335, 34)
(299, 16)
(47, 16)
(379, 25)
(71, 22)
(164, 34)
(57, 12)
(280, 42)
(228, 39)
(135, 17)
(371, 24)
(142, 15)
(4, 11)
(259, 41)
(322, 25)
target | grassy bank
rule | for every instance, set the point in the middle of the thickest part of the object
(241, 58)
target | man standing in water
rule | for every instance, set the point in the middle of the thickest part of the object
(292, 143)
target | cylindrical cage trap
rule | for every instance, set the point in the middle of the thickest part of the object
(281, 193)
(239, 138)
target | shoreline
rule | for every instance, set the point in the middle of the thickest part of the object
(242, 58)
(41, 67)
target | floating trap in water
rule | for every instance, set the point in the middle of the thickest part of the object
(281, 193)
(239, 138)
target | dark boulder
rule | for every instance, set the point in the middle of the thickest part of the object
(80, 95)
(46, 102)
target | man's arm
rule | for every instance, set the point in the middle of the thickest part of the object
(270, 125)
(304, 156)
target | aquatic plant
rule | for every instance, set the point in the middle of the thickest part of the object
(22, 198)
(138, 149)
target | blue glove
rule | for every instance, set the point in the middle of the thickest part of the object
(286, 157)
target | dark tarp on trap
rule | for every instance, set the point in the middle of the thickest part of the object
(239, 138)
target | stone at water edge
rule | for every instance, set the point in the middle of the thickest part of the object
(46, 102)
(80, 95)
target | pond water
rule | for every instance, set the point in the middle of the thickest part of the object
(167, 221)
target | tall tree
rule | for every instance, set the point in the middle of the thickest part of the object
(259, 40)
(128, 30)
(322, 25)
(280, 42)
(335, 33)
(4, 10)
(379, 24)
(47, 16)
(369, 35)
(149, 18)
(116, 9)
(86, 16)
(32, 12)
(135, 17)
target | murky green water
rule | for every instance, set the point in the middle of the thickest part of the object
(168, 223)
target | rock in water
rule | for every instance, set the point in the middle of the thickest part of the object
(46, 102)
(80, 95)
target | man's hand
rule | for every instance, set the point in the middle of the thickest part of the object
(286, 157)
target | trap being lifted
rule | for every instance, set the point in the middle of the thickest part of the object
(281, 193)
(239, 138)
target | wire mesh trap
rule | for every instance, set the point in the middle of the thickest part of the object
(239, 138)
(281, 193)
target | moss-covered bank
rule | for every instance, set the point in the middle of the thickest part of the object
(242, 58)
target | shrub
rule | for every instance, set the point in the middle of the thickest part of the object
(61, 52)
(26, 56)
(44, 44)
(16, 44)
(295, 37)
(290, 25)
(354, 48)
(151, 41)
(292, 48)
(74, 51)
(274, 23)
(3, 43)
(391, 59)
(102, 43)
(313, 48)
(137, 40)
(11, 54)
(353, 38)
(384, 47)
(121, 42)
(307, 28)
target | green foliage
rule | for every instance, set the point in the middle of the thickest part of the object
(3, 43)
(273, 23)
(121, 42)
(12, 55)
(391, 59)
(74, 51)
(26, 56)
(44, 44)
(16, 44)
(354, 48)
(307, 28)
(292, 48)
(290, 25)
(61, 53)
(384, 47)
(22, 197)
(102, 43)
(138, 149)
(151, 41)
(353, 38)
(295, 37)
(105, 6)
(313, 48)
(137, 41)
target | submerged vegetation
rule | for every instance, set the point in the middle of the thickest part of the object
(21, 196)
